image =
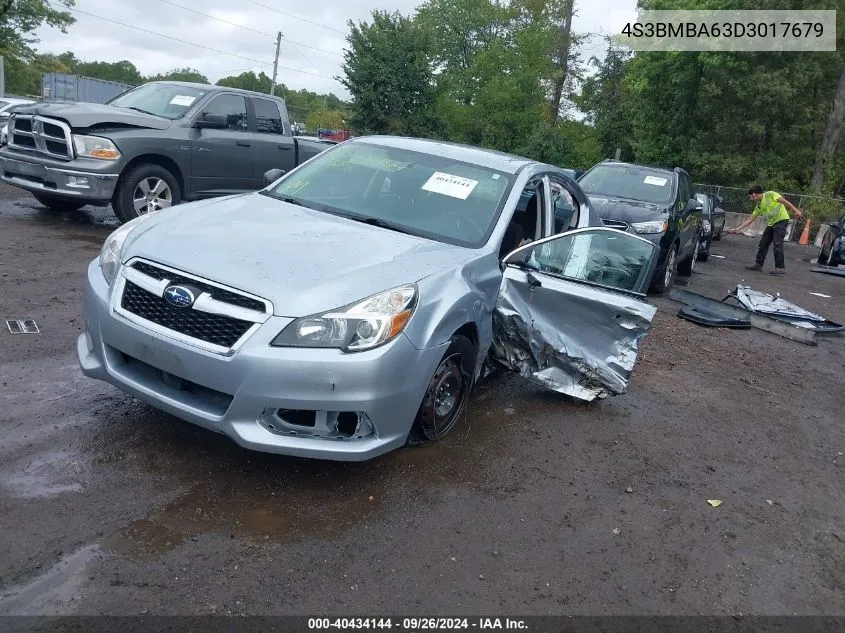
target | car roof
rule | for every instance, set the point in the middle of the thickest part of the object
(619, 163)
(210, 87)
(16, 101)
(491, 159)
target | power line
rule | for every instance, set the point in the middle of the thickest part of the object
(296, 17)
(212, 17)
(176, 39)
(246, 28)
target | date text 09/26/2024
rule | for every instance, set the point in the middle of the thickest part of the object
(417, 624)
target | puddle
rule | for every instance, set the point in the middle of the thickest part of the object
(53, 592)
(27, 207)
(264, 497)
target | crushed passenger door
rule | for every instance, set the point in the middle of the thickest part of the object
(571, 310)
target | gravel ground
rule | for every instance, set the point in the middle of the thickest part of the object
(535, 505)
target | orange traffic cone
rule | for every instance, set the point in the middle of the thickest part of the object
(805, 236)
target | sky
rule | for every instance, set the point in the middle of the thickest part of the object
(243, 34)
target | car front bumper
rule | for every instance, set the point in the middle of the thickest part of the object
(38, 176)
(240, 395)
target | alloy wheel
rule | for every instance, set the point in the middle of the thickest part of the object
(151, 194)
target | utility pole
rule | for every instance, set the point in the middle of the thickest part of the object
(276, 63)
(2, 77)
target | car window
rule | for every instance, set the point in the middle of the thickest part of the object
(424, 194)
(171, 101)
(631, 182)
(268, 119)
(565, 207)
(603, 257)
(233, 107)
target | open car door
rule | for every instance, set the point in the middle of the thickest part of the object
(571, 310)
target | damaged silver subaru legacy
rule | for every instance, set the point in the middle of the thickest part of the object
(349, 307)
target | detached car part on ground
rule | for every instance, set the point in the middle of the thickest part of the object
(155, 146)
(657, 204)
(350, 307)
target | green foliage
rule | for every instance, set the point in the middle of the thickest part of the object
(181, 74)
(20, 18)
(388, 72)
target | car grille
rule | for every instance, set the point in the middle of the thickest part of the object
(233, 316)
(214, 291)
(615, 224)
(41, 135)
(211, 328)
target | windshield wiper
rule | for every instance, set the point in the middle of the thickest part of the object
(142, 111)
(379, 223)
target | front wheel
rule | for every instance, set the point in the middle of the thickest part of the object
(448, 391)
(144, 189)
(60, 205)
(663, 278)
(687, 266)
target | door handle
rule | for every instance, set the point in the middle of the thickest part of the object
(243, 143)
(284, 147)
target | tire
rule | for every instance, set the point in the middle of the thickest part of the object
(717, 237)
(704, 255)
(60, 205)
(687, 266)
(665, 275)
(145, 188)
(447, 395)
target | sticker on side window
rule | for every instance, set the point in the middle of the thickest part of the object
(653, 180)
(182, 100)
(449, 185)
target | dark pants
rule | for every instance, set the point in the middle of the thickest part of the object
(775, 234)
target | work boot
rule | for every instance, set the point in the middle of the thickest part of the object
(754, 267)
(778, 271)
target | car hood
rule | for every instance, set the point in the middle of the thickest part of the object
(87, 115)
(304, 261)
(624, 210)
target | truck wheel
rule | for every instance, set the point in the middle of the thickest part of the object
(145, 188)
(58, 204)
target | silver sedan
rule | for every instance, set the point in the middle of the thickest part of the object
(350, 306)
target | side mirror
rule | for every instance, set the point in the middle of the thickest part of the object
(693, 206)
(272, 176)
(212, 121)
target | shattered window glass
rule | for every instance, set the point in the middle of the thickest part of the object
(603, 257)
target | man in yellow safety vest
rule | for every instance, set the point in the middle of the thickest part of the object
(773, 207)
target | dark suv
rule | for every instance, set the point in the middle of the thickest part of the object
(657, 204)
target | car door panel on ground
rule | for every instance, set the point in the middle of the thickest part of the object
(223, 160)
(571, 310)
(275, 147)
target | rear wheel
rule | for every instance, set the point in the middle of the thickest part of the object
(664, 276)
(145, 188)
(448, 391)
(55, 203)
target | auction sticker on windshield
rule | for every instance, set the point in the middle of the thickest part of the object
(182, 100)
(653, 180)
(450, 185)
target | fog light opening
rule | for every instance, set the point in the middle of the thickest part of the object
(298, 417)
(78, 182)
(347, 423)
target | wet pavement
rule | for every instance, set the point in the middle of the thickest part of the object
(536, 504)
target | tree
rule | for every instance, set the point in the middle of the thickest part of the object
(388, 72)
(603, 100)
(20, 18)
(248, 81)
(181, 74)
(326, 119)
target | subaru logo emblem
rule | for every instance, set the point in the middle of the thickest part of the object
(179, 296)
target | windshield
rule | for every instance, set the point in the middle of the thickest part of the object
(626, 181)
(166, 100)
(422, 194)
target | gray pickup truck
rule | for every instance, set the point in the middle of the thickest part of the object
(157, 145)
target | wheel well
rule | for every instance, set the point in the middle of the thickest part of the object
(162, 161)
(471, 332)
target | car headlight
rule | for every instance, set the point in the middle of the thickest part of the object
(110, 254)
(657, 226)
(95, 147)
(364, 325)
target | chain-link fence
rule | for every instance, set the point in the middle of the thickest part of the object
(817, 208)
